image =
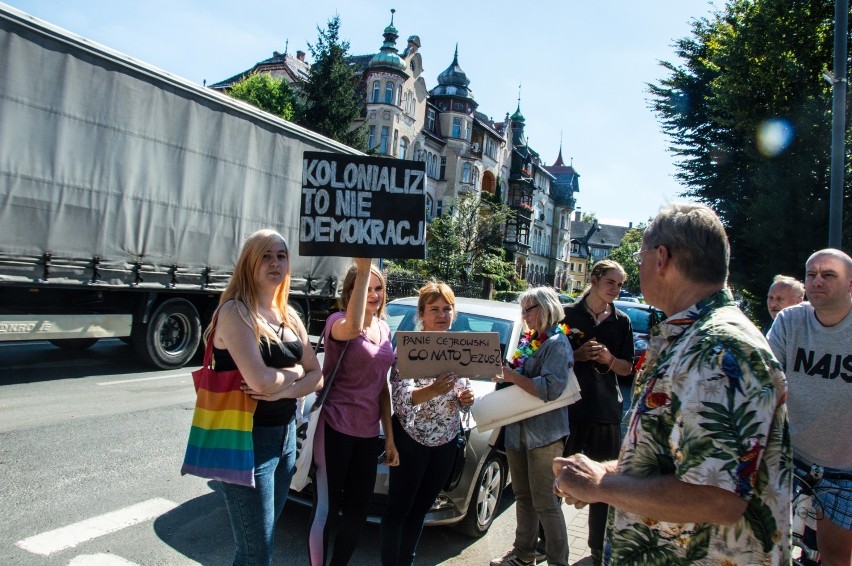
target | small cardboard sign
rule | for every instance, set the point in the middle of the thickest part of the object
(355, 206)
(469, 354)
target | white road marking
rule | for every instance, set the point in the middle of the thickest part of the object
(144, 379)
(70, 536)
(100, 560)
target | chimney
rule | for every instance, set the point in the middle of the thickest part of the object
(630, 226)
(576, 216)
(300, 55)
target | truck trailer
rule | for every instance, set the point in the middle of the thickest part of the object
(126, 193)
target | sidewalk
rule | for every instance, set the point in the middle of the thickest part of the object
(577, 521)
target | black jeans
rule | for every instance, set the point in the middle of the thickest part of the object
(345, 476)
(601, 442)
(414, 484)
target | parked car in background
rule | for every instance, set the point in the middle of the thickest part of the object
(566, 299)
(472, 504)
(642, 317)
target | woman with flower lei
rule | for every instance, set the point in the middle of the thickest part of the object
(540, 367)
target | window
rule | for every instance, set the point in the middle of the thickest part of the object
(376, 91)
(395, 141)
(571, 266)
(466, 173)
(371, 138)
(389, 93)
(442, 173)
(428, 207)
(475, 177)
(575, 248)
(399, 95)
(433, 166)
(403, 148)
(579, 268)
(383, 148)
(440, 209)
(457, 125)
(430, 120)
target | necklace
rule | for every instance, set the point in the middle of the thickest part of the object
(279, 329)
(597, 315)
(530, 342)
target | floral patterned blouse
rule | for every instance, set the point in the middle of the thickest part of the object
(709, 408)
(432, 423)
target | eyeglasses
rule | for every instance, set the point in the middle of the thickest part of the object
(637, 256)
(528, 309)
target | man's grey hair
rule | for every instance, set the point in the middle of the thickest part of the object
(695, 239)
(547, 300)
(794, 284)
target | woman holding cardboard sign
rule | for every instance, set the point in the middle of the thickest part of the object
(541, 366)
(426, 424)
(346, 442)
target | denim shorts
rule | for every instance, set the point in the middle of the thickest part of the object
(831, 492)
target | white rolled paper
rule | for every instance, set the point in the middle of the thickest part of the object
(513, 404)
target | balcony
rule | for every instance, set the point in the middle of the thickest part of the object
(523, 211)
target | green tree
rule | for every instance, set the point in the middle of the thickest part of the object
(623, 254)
(267, 93)
(331, 98)
(469, 241)
(589, 217)
(465, 245)
(749, 118)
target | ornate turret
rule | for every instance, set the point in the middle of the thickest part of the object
(388, 57)
(517, 117)
(453, 81)
(565, 183)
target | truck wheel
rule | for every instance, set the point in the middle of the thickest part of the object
(485, 500)
(299, 310)
(74, 344)
(171, 337)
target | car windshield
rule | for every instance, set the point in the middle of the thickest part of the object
(639, 318)
(401, 317)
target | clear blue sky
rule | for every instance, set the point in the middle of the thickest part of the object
(583, 65)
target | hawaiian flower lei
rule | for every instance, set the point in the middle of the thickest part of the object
(529, 343)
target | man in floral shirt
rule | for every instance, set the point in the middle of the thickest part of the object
(704, 474)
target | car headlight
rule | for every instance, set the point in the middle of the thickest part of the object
(640, 345)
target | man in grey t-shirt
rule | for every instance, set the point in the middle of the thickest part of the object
(813, 342)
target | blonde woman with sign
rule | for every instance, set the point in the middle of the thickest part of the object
(346, 443)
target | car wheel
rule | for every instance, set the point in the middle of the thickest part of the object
(486, 497)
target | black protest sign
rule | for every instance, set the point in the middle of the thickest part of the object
(468, 354)
(355, 206)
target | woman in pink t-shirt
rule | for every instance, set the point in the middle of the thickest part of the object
(346, 444)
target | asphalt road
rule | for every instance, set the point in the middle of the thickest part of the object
(91, 445)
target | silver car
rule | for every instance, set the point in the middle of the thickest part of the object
(472, 504)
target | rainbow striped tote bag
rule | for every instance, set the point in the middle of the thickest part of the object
(220, 445)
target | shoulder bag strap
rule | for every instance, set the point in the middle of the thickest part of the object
(324, 393)
(208, 349)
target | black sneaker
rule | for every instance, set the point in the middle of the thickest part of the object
(509, 559)
(540, 554)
